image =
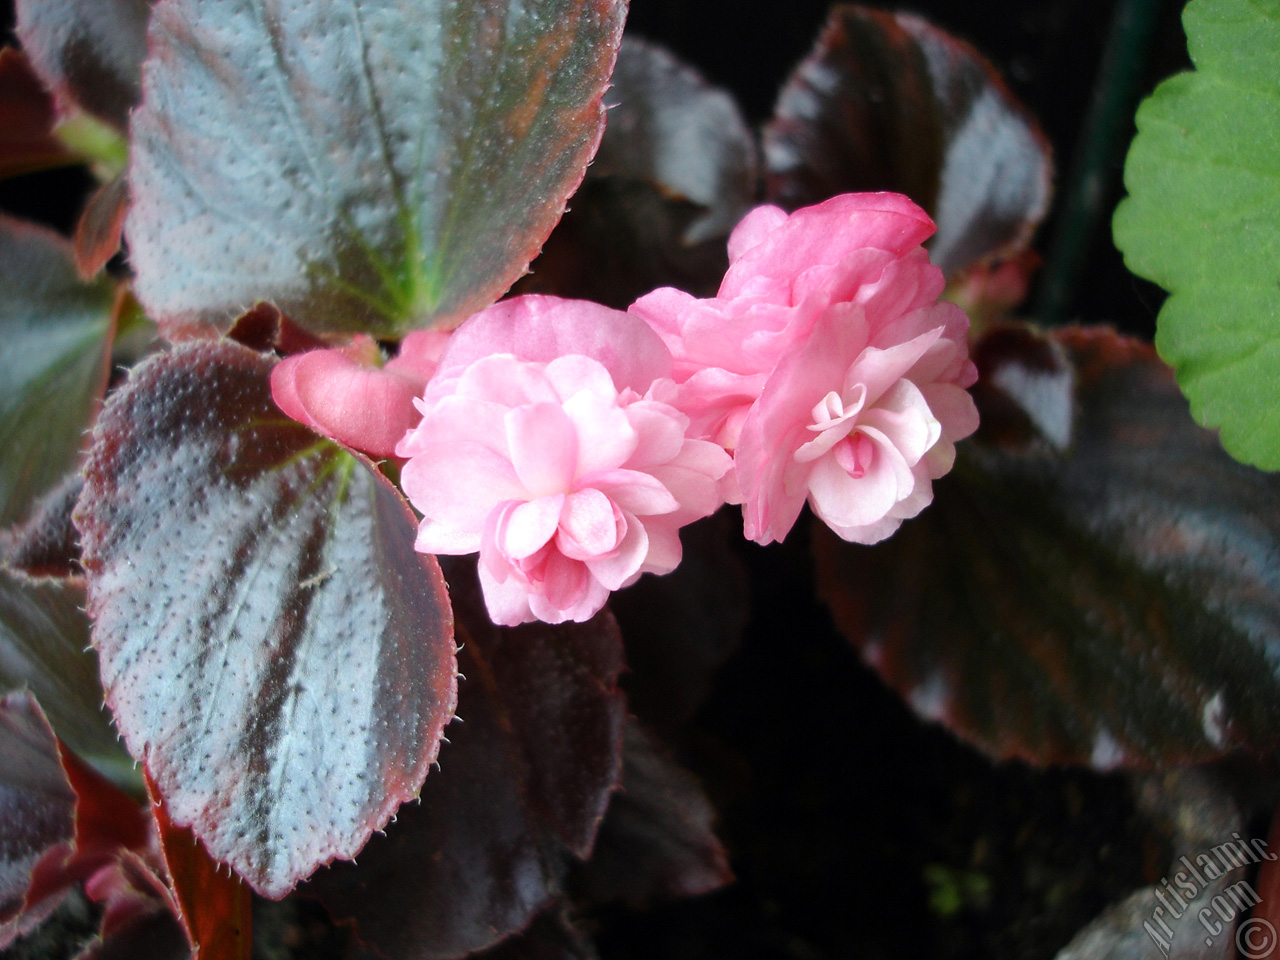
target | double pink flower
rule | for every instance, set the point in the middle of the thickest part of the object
(567, 442)
(826, 364)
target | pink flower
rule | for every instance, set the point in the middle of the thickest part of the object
(541, 448)
(345, 394)
(826, 365)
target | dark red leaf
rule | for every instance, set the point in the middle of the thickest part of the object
(27, 115)
(271, 645)
(373, 167)
(681, 627)
(98, 231)
(887, 101)
(154, 934)
(1096, 580)
(675, 172)
(551, 936)
(264, 328)
(37, 813)
(527, 774)
(89, 52)
(657, 838)
(47, 545)
(214, 908)
(44, 640)
(55, 335)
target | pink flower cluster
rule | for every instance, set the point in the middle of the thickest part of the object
(568, 443)
(826, 364)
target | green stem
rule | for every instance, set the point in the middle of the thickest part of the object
(1107, 130)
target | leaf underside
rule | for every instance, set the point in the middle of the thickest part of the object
(1202, 219)
(272, 647)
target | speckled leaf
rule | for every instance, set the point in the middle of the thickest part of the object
(675, 172)
(272, 647)
(37, 805)
(524, 781)
(375, 166)
(887, 101)
(89, 52)
(1202, 219)
(54, 342)
(657, 839)
(44, 640)
(47, 545)
(1095, 581)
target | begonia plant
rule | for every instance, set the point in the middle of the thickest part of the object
(347, 474)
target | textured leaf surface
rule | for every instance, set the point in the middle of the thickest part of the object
(887, 101)
(1095, 581)
(675, 172)
(1202, 219)
(271, 646)
(657, 839)
(37, 805)
(47, 545)
(89, 52)
(526, 776)
(54, 339)
(214, 908)
(44, 640)
(376, 165)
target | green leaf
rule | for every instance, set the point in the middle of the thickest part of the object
(54, 337)
(272, 647)
(1202, 219)
(372, 166)
(1095, 581)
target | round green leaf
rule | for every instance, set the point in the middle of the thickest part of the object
(374, 166)
(1202, 219)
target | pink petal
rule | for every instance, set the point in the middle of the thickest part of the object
(544, 448)
(622, 565)
(826, 232)
(442, 538)
(903, 417)
(419, 355)
(460, 484)
(755, 228)
(507, 601)
(843, 500)
(633, 491)
(542, 328)
(605, 436)
(526, 529)
(362, 407)
(589, 525)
